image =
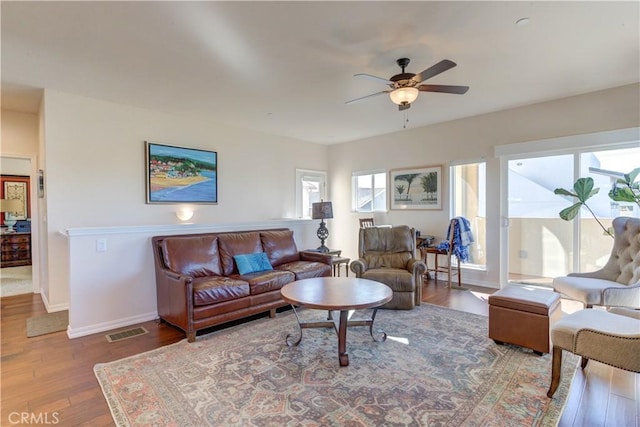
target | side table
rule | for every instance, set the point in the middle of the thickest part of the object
(336, 260)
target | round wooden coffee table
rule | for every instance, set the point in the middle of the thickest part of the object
(337, 294)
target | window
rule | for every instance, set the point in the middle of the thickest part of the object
(311, 187)
(468, 199)
(369, 191)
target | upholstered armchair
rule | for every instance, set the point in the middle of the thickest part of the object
(387, 256)
(617, 284)
(611, 337)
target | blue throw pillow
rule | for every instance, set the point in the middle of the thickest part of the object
(251, 263)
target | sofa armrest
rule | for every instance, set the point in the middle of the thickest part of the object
(174, 294)
(316, 257)
(625, 312)
(622, 296)
(417, 268)
(358, 266)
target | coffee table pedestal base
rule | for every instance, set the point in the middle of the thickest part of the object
(340, 326)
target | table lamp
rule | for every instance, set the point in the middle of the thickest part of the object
(10, 207)
(322, 211)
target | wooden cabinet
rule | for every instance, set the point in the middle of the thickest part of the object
(16, 249)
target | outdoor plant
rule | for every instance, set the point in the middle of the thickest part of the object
(625, 189)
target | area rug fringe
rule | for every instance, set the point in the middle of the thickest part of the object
(436, 368)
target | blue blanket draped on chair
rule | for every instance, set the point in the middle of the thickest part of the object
(462, 239)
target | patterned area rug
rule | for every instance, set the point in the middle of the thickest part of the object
(437, 368)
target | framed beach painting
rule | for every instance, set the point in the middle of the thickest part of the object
(181, 175)
(416, 188)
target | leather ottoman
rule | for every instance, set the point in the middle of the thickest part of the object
(523, 316)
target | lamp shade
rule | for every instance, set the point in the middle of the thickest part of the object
(321, 210)
(404, 95)
(10, 205)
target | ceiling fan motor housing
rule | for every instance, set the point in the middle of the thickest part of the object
(403, 79)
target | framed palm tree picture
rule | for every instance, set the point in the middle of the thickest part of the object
(416, 188)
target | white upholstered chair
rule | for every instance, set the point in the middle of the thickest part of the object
(617, 284)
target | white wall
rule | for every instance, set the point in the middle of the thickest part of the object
(95, 186)
(19, 133)
(470, 138)
(117, 288)
(95, 177)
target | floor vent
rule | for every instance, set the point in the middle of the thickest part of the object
(126, 334)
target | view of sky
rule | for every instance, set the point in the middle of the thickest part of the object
(619, 160)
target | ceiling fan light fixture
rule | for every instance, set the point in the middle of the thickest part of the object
(404, 95)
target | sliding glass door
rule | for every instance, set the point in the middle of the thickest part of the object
(542, 246)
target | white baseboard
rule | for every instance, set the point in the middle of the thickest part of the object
(53, 308)
(108, 326)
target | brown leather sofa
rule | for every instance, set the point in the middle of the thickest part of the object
(198, 283)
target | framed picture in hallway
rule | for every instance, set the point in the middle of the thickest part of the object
(416, 188)
(181, 175)
(17, 187)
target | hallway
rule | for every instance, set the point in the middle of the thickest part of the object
(15, 281)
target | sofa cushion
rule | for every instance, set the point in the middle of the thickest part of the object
(388, 260)
(265, 281)
(232, 244)
(399, 280)
(584, 289)
(251, 263)
(279, 246)
(387, 239)
(192, 255)
(215, 289)
(306, 269)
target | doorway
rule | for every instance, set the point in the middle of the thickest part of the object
(16, 268)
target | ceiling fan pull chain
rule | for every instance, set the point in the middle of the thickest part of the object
(406, 119)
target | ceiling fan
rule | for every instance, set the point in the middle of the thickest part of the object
(404, 87)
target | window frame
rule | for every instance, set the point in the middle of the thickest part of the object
(300, 175)
(354, 190)
(482, 205)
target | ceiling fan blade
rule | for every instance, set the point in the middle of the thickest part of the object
(458, 90)
(376, 78)
(434, 70)
(403, 107)
(368, 96)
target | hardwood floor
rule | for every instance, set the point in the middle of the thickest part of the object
(49, 379)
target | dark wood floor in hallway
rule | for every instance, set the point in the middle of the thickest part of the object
(52, 376)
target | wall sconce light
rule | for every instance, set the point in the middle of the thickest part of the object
(184, 214)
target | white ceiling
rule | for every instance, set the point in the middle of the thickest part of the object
(287, 68)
